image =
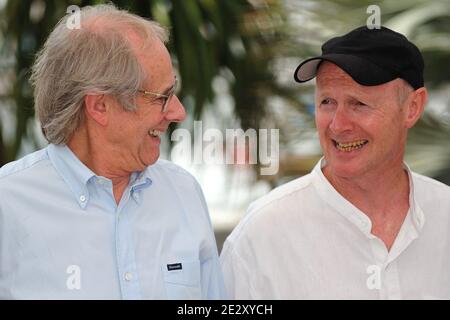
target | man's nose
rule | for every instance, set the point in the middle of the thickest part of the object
(176, 111)
(341, 121)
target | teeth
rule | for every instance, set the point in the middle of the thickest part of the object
(155, 133)
(350, 146)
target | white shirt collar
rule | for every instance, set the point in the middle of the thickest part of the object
(351, 212)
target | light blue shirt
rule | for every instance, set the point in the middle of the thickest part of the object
(63, 236)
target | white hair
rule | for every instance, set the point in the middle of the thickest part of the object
(96, 58)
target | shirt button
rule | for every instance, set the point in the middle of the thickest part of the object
(82, 198)
(128, 276)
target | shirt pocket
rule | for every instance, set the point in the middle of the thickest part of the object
(184, 283)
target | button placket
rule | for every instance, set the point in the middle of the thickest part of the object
(392, 282)
(128, 276)
(125, 256)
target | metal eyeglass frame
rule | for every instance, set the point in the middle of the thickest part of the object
(165, 105)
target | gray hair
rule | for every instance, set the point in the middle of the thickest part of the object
(96, 58)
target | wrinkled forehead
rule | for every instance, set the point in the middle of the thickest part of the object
(156, 61)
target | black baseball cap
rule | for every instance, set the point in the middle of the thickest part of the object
(370, 56)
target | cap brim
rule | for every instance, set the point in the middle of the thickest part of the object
(361, 70)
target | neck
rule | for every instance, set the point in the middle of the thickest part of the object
(93, 152)
(382, 196)
(374, 192)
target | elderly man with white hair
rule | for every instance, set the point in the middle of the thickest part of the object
(95, 214)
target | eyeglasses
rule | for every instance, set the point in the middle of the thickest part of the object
(165, 98)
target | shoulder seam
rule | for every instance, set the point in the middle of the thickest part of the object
(165, 164)
(430, 180)
(279, 197)
(17, 170)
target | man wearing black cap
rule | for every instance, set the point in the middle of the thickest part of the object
(361, 225)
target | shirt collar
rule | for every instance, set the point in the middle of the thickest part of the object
(417, 214)
(72, 170)
(76, 175)
(139, 181)
(352, 213)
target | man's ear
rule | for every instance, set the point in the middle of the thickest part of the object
(96, 108)
(415, 106)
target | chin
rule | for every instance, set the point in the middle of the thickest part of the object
(152, 159)
(344, 169)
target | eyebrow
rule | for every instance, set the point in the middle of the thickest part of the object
(168, 90)
(357, 96)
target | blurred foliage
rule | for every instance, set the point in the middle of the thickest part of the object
(208, 38)
(255, 45)
(425, 23)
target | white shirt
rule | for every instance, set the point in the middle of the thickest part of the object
(305, 241)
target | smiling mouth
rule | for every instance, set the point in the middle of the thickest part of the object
(350, 146)
(155, 133)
